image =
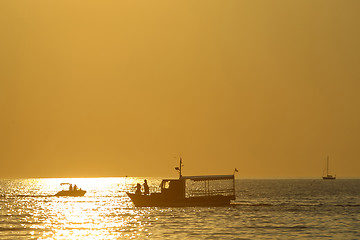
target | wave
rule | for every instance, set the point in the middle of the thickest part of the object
(33, 196)
(347, 205)
(15, 229)
(280, 227)
(253, 204)
(278, 204)
(52, 195)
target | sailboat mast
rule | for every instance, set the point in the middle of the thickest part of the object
(327, 166)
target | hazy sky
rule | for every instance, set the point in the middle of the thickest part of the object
(115, 87)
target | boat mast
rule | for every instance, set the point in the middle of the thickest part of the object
(180, 167)
(327, 166)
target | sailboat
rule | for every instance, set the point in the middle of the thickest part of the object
(328, 176)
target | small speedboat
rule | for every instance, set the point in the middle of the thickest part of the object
(73, 191)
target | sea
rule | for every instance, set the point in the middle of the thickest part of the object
(263, 209)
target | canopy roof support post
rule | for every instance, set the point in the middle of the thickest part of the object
(205, 188)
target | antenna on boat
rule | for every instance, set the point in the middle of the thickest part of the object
(179, 168)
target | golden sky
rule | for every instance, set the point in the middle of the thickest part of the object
(123, 87)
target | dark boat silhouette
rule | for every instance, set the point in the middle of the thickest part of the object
(175, 193)
(72, 192)
(328, 176)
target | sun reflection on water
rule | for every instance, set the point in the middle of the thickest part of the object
(265, 209)
(104, 212)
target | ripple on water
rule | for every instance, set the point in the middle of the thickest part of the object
(264, 209)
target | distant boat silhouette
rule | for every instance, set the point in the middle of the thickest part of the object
(328, 176)
(72, 192)
(173, 192)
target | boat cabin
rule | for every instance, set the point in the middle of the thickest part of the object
(174, 188)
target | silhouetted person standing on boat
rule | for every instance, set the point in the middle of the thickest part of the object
(70, 187)
(146, 187)
(138, 189)
(75, 187)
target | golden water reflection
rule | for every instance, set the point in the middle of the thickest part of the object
(104, 212)
(271, 209)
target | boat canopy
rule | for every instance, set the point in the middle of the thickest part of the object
(209, 177)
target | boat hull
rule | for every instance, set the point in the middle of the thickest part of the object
(161, 200)
(329, 178)
(71, 193)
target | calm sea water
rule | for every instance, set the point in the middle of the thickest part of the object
(264, 209)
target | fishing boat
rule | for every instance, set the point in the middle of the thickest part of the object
(188, 191)
(73, 191)
(328, 176)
